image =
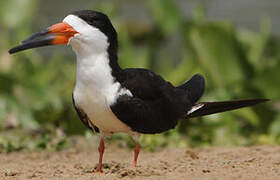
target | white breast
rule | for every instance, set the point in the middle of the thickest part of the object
(95, 91)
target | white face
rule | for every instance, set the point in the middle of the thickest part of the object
(89, 40)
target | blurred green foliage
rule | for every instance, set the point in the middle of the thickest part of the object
(35, 93)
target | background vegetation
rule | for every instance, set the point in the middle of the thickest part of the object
(36, 109)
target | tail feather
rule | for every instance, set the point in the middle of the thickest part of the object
(207, 108)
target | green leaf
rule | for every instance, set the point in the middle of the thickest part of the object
(274, 128)
(218, 53)
(166, 14)
(17, 12)
(268, 81)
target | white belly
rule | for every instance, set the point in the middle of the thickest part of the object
(96, 106)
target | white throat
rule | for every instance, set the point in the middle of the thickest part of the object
(94, 75)
(89, 40)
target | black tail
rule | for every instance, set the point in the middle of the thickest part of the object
(207, 108)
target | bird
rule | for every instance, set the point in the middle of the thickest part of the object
(109, 99)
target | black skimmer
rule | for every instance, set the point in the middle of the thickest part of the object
(109, 99)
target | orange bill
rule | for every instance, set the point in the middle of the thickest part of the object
(57, 34)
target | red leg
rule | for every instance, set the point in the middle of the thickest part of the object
(101, 151)
(136, 152)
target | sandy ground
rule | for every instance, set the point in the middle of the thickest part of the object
(262, 162)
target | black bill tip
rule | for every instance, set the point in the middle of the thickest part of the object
(42, 38)
(261, 100)
(16, 49)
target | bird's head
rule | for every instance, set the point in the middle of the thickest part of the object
(86, 31)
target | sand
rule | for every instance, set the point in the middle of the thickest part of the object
(261, 162)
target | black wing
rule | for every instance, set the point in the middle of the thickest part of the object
(208, 108)
(156, 105)
(194, 87)
(84, 118)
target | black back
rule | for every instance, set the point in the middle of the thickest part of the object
(156, 105)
